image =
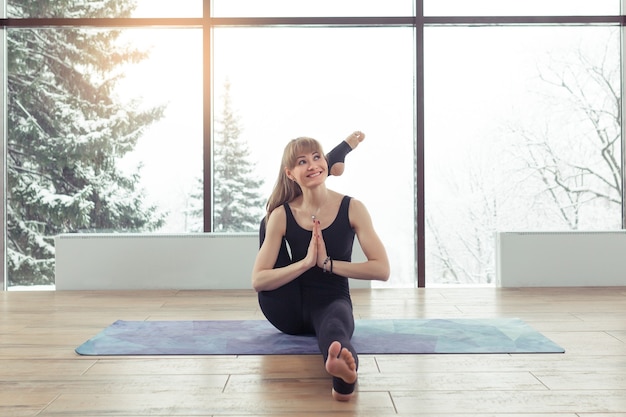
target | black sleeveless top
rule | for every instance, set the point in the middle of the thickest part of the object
(339, 238)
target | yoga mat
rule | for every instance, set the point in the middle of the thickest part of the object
(259, 337)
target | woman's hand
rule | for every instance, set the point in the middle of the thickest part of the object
(321, 245)
(310, 259)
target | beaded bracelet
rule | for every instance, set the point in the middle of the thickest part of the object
(328, 271)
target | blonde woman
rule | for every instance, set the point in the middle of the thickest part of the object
(310, 294)
(336, 163)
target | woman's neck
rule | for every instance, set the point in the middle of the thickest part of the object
(314, 199)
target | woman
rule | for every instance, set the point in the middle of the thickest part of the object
(310, 295)
(336, 164)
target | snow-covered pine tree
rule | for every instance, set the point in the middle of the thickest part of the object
(238, 203)
(66, 132)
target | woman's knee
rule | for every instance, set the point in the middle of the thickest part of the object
(282, 310)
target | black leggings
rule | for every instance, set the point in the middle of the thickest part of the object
(295, 308)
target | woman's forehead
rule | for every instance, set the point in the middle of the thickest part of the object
(306, 152)
(305, 147)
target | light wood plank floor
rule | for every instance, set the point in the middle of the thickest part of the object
(40, 375)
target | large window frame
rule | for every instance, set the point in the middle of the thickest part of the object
(207, 23)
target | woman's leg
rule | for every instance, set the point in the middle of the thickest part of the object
(334, 326)
(337, 155)
(283, 308)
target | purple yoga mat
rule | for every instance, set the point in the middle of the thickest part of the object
(258, 337)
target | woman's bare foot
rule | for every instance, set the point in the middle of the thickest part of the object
(341, 363)
(353, 141)
(355, 138)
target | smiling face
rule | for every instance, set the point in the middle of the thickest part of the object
(305, 162)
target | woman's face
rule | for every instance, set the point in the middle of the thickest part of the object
(310, 168)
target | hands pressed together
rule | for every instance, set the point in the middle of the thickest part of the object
(316, 254)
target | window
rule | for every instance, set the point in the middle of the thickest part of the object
(134, 124)
(521, 8)
(169, 151)
(523, 133)
(98, 142)
(326, 83)
(105, 9)
(324, 8)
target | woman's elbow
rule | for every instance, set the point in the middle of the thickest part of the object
(260, 282)
(385, 275)
(385, 272)
(256, 284)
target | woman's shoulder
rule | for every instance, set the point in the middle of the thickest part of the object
(357, 211)
(338, 196)
(277, 216)
(356, 203)
(278, 210)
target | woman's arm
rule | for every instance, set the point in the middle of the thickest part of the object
(377, 265)
(264, 276)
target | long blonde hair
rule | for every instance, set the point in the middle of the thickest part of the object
(285, 189)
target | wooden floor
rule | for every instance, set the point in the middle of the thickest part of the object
(40, 375)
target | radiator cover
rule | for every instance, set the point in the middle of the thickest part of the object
(120, 261)
(561, 259)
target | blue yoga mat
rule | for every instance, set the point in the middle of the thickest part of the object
(259, 337)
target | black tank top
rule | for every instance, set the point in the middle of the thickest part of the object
(339, 237)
